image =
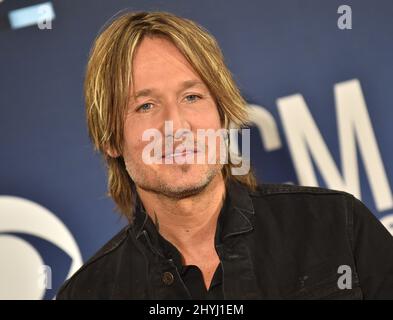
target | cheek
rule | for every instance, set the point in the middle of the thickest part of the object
(214, 118)
(133, 143)
(209, 119)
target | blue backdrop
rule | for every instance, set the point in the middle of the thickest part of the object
(307, 79)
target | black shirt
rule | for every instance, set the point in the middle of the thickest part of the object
(191, 274)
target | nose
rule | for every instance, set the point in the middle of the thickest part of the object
(175, 120)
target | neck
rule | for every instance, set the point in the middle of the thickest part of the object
(190, 222)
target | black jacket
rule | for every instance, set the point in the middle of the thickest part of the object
(281, 242)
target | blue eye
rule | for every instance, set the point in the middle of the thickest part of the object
(194, 96)
(144, 107)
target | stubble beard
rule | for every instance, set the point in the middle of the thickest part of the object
(166, 189)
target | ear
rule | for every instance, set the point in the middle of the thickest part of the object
(111, 152)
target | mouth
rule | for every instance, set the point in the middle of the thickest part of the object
(182, 154)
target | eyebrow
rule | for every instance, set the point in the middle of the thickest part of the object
(183, 86)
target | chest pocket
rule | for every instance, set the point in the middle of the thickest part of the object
(324, 282)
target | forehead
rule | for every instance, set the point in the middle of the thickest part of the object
(158, 62)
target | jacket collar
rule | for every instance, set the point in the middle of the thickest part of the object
(235, 216)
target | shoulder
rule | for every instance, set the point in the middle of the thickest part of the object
(293, 203)
(270, 191)
(80, 285)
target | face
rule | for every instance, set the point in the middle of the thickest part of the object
(167, 88)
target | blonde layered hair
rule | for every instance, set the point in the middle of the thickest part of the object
(108, 82)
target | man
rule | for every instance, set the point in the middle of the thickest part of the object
(197, 230)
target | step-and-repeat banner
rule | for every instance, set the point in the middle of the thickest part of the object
(317, 74)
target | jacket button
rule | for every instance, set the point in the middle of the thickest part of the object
(168, 278)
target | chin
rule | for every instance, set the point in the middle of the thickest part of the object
(185, 190)
(188, 181)
(175, 181)
(186, 173)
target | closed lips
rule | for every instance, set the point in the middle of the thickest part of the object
(180, 154)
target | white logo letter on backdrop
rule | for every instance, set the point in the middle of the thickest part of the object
(21, 263)
(354, 128)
